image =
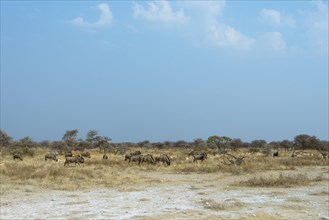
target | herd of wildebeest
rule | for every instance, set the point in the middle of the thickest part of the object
(137, 157)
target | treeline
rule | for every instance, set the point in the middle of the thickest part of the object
(70, 141)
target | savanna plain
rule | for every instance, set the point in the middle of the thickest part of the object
(262, 187)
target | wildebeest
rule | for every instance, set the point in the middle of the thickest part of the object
(136, 158)
(234, 160)
(198, 156)
(105, 157)
(68, 154)
(128, 156)
(76, 160)
(86, 154)
(162, 158)
(276, 154)
(148, 159)
(18, 156)
(51, 156)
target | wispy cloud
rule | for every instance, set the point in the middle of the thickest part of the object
(317, 23)
(276, 18)
(105, 18)
(217, 33)
(272, 41)
(158, 11)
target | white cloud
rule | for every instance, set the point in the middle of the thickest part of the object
(158, 11)
(276, 18)
(271, 16)
(272, 41)
(223, 35)
(104, 20)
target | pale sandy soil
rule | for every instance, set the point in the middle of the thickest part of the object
(169, 195)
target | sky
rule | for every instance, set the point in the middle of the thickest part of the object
(164, 70)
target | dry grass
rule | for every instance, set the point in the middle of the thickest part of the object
(115, 171)
(279, 181)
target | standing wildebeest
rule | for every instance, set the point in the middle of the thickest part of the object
(76, 160)
(51, 156)
(198, 156)
(18, 156)
(148, 159)
(163, 158)
(105, 157)
(68, 154)
(136, 158)
(128, 156)
(276, 154)
(86, 154)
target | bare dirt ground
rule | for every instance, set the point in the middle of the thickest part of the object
(168, 195)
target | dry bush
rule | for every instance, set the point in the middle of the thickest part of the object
(278, 181)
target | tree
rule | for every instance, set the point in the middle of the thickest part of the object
(286, 144)
(220, 142)
(236, 143)
(70, 138)
(304, 141)
(92, 137)
(103, 143)
(5, 139)
(214, 140)
(26, 142)
(258, 144)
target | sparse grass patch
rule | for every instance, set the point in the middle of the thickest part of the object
(278, 181)
(226, 205)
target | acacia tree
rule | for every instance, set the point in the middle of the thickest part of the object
(220, 142)
(5, 139)
(304, 141)
(70, 138)
(92, 137)
(236, 143)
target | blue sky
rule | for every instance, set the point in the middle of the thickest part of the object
(158, 71)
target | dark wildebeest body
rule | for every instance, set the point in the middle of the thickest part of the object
(76, 160)
(198, 156)
(128, 156)
(276, 154)
(51, 156)
(18, 156)
(105, 157)
(136, 158)
(148, 159)
(86, 154)
(68, 154)
(163, 158)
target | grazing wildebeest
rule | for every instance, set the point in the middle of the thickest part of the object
(51, 156)
(86, 154)
(128, 156)
(68, 154)
(18, 156)
(105, 157)
(276, 154)
(163, 158)
(198, 156)
(76, 160)
(234, 160)
(148, 159)
(136, 158)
